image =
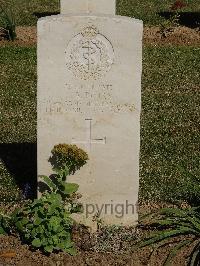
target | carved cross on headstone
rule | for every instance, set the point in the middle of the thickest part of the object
(89, 140)
(88, 54)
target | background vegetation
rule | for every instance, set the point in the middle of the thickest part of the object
(28, 11)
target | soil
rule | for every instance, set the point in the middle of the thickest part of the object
(108, 246)
(13, 252)
(174, 36)
(27, 36)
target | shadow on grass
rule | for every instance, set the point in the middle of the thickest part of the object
(45, 14)
(188, 19)
(21, 161)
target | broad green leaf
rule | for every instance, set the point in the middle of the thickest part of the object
(54, 198)
(39, 230)
(34, 232)
(48, 249)
(66, 216)
(68, 243)
(29, 226)
(54, 223)
(65, 244)
(71, 188)
(35, 203)
(19, 226)
(50, 240)
(38, 221)
(50, 183)
(27, 236)
(52, 209)
(57, 171)
(2, 231)
(14, 215)
(36, 243)
(24, 221)
(44, 241)
(72, 251)
(64, 234)
(56, 240)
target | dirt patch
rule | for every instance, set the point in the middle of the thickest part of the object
(27, 36)
(12, 252)
(175, 36)
(106, 247)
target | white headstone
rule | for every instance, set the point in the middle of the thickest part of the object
(88, 6)
(89, 94)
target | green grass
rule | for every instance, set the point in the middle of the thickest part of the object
(148, 10)
(170, 120)
(17, 109)
(17, 94)
(170, 115)
(25, 10)
(142, 9)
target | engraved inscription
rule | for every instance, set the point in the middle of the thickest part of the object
(89, 54)
(84, 99)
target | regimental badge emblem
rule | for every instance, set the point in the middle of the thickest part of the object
(89, 54)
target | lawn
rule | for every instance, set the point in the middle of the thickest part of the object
(17, 118)
(170, 120)
(27, 11)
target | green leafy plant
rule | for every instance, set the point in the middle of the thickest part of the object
(57, 184)
(46, 223)
(65, 160)
(5, 224)
(7, 21)
(179, 226)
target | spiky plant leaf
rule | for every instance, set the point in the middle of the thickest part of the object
(157, 237)
(175, 250)
(195, 255)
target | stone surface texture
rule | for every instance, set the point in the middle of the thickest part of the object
(88, 6)
(89, 94)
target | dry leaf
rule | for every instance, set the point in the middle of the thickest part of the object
(8, 255)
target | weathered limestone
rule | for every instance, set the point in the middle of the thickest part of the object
(89, 94)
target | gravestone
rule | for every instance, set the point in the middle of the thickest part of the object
(88, 6)
(89, 94)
